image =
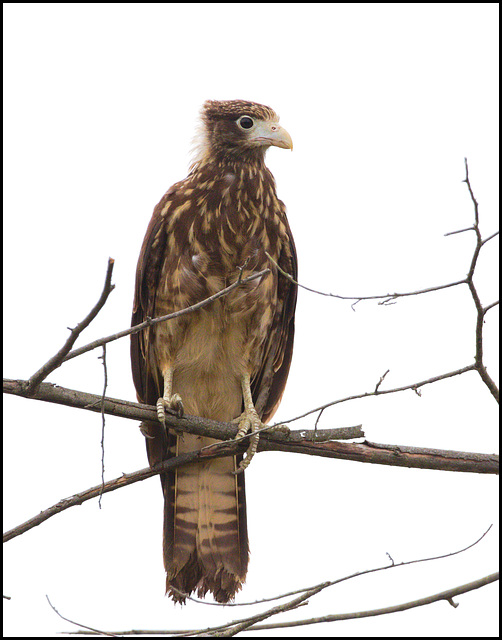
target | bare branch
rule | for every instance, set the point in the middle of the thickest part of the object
(490, 306)
(447, 595)
(310, 591)
(494, 235)
(60, 356)
(377, 392)
(369, 452)
(393, 455)
(82, 626)
(103, 396)
(466, 180)
(478, 359)
(221, 450)
(387, 297)
(452, 233)
(245, 624)
(311, 442)
(382, 378)
(443, 595)
(48, 392)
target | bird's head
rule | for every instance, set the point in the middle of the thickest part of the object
(238, 128)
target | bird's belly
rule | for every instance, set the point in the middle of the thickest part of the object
(209, 365)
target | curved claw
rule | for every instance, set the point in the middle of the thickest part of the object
(174, 404)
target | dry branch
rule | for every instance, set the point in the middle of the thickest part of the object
(480, 311)
(221, 450)
(385, 297)
(366, 452)
(230, 628)
(301, 441)
(447, 595)
(49, 392)
(59, 357)
(415, 386)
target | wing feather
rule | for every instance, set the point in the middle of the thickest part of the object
(269, 384)
(151, 259)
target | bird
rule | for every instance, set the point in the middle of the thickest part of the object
(227, 361)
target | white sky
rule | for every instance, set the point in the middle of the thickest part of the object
(383, 102)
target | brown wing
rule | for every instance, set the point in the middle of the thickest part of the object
(269, 384)
(145, 375)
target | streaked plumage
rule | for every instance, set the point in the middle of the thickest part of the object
(224, 215)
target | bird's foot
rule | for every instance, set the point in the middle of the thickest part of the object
(173, 404)
(248, 422)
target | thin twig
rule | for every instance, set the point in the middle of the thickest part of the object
(103, 396)
(494, 235)
(443, 595)
(349, 577)
(222, 450)
(490, 306)
(310, 591)
(78, 624)
(60, 356)
(242, 625)
(377, 392)
(452, 233)
(387, 296)
(475, 202)
(382, 378)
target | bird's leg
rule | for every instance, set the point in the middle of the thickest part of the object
(249, 421)
(169, 400)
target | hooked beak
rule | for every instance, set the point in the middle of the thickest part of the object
(272, 134)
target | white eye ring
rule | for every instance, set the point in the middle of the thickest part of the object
(245, 122)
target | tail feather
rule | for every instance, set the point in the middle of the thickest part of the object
(205, 532)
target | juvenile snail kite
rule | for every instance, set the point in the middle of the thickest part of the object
(227, 361)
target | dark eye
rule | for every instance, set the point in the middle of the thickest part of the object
(245, 122)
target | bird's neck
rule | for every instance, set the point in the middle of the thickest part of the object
(234, 162)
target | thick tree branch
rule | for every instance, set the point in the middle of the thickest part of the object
(301, 441)
(48, 392)
(393, 455)
(366, 452)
